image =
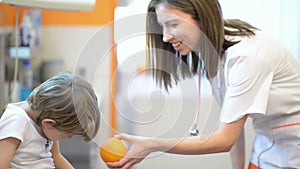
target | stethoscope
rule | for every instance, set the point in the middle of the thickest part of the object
(194, 128)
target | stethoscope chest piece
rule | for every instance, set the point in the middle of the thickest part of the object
(193, 130)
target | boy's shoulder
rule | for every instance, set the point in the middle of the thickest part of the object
(14, 111)
(14, 114)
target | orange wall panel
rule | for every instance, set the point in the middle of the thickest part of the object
(8, 15)
(103, 13)
(4, 18)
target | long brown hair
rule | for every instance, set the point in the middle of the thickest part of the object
(161, 58)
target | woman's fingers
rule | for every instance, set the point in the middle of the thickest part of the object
(125, 163)
(125, 137)
(137, 151)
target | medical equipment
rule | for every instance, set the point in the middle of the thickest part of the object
(194, 128)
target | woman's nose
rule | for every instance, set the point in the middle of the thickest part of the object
(167, 37)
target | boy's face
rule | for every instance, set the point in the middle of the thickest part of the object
(52, 133)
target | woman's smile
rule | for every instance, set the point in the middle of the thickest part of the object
(176, 44)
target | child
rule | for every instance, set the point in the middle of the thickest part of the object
(61, 107)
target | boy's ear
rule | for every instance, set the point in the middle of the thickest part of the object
(48, 122)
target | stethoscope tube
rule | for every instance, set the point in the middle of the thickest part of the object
(194, 128)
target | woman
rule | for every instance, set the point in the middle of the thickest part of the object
(61, 107)
(251, 74)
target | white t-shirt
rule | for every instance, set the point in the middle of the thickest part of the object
(34, 150)
(262, 79)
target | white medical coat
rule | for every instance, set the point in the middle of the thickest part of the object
(262, 80)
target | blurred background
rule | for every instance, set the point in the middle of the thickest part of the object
(106, 45)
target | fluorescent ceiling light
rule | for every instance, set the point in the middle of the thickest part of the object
(63, 5)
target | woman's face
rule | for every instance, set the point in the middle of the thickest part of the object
(179, 29)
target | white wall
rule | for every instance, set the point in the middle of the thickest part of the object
(84, 49)
(280, 18)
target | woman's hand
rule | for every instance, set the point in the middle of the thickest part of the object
(140, 147)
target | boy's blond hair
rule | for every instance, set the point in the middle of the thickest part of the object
(70, 101)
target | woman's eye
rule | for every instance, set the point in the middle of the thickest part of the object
(173, 25)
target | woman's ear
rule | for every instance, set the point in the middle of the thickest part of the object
(48, 122)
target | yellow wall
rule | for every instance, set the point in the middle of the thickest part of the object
(101, 15)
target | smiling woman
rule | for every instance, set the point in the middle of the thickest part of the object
(251, 76)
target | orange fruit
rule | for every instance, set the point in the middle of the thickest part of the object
(112, 150)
